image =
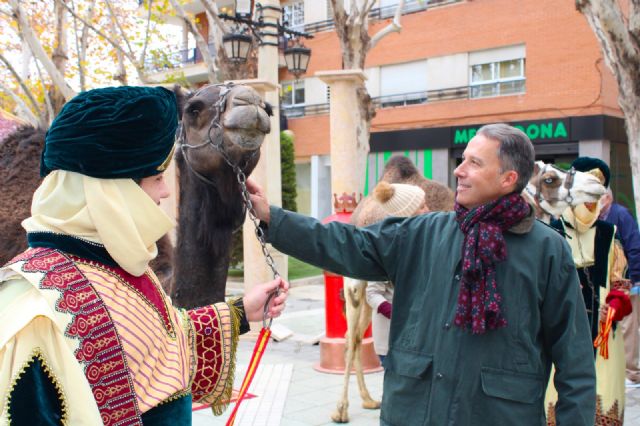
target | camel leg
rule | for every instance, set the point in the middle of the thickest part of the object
(364, 320)
(341, 415)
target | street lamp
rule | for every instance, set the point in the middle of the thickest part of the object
(237, 44)
(297, 59)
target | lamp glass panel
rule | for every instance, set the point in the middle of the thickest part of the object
(304, 61)
(228, 48)
(243, 49)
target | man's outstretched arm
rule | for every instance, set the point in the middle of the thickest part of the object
(366, 253)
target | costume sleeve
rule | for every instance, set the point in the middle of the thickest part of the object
(618, 268)
(213, 337)
(375, 293)
(568, 339)
(41, 381)
(364, 253)
(630, 237)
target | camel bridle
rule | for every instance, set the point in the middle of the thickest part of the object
(215, 126)
(568, 185)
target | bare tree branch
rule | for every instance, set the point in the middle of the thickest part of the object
(213, 12)
(203, 46)
(38, 50)
(26, 113)
(369, 6)
(143, 54)
(77, 40)
(121, 73)
(123, 35)
(47, 98)
(138, 66)
(24, 87)
(394, 26)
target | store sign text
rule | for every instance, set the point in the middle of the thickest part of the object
(537, 132)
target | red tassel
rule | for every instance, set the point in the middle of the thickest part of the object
(602, 340)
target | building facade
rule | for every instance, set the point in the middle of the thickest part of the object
(456, 65)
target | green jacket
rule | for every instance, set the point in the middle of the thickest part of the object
(436, 373)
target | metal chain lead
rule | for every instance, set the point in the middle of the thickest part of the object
(242, 181)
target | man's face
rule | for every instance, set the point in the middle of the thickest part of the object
(479, 177)
(155, 187)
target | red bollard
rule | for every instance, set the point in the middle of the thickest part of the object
(332, 345)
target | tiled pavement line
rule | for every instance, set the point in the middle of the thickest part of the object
(271, 385)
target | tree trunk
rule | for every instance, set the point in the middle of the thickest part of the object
(60, 54)
(619, 38)
(632, 122)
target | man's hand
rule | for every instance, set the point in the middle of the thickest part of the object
(255, 299)
(259, 201)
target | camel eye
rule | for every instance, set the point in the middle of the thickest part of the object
(194, 108)
(548, 181)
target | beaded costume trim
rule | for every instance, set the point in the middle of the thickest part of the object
(100, 351)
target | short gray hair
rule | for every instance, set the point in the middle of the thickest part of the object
(515, 152)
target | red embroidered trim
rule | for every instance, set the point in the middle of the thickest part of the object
(100, 351)
(209, 348)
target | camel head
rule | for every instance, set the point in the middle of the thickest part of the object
(229, 118)
(553, 190)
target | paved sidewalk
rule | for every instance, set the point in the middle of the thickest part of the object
(289, 392)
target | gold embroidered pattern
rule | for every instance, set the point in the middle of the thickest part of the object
(613, 417)
(37, 353)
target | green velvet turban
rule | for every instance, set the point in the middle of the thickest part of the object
(115, 132)
(584, 164)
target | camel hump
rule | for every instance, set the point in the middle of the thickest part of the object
(437, 196)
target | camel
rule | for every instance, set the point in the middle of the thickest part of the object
(210, 206)
(438, 197)
(550, 190)
(210, 202)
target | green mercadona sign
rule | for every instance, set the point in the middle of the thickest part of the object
(539, 131)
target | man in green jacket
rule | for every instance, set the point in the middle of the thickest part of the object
(486, 297)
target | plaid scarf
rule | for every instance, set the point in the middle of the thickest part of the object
(484, 246)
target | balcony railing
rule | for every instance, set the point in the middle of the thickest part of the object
(411, 6)
(293, 111)
(177, 59)
(296, 111)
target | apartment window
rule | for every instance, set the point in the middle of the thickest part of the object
(293, 14)
(293, 93)
(403, 84)
(497, 78)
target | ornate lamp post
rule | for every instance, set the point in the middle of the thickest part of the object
(237, 44)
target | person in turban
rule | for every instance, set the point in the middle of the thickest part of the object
(600, 262)
(88, 335)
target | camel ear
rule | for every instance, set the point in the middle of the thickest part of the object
(536, 168)
(182, 96)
